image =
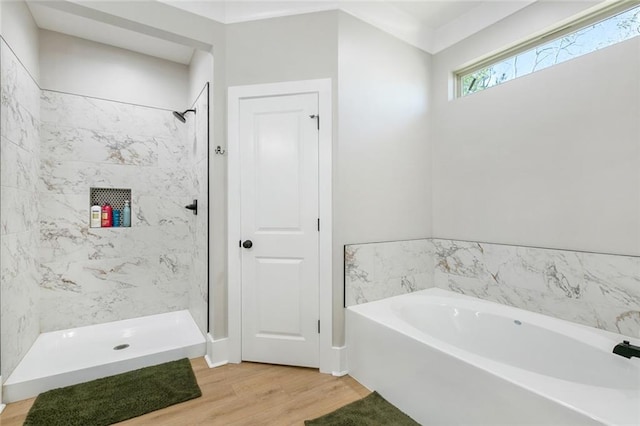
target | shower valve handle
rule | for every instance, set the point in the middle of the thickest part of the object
(193, 207)
(247, 244)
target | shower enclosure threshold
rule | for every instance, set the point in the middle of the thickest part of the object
(67, 357)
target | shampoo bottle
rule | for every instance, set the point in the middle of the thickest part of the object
(107, 216)
(96, 215)
(126, 214)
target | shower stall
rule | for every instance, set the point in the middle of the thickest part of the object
(79, 302)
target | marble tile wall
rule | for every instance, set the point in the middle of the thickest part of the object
(94, 275)
(19, 226)
(376, 271)
(198, 135)
(598, 290)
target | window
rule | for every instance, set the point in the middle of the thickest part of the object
(584, 36)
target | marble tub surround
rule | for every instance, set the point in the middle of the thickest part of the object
(19, 224)
(95, 275)
(376, 271)
(598, 290)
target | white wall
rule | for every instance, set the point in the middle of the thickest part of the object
(21, 34)
(282, 49)
(382, 161)
(383, 152)
(381, 155)
(298, 47)
(79, 66)
(200, 72)
(548, 160)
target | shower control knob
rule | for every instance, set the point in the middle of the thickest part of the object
(193, 207)
(247, 244)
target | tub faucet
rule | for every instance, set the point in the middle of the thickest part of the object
(626, 349)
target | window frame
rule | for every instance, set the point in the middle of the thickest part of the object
(576, 25)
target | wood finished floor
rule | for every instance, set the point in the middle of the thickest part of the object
(243, 394)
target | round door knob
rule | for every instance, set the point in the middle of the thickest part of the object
(247, 244)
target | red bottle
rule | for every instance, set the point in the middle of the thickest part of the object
(107, 216)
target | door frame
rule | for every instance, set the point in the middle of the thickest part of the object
(330, 357)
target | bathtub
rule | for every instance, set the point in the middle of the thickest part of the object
(66, 357)
(445, 358)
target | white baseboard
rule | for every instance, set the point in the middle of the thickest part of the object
(2, 406)
(217, 352)
(339, 367)
(218, 355)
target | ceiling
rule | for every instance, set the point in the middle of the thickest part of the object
(49, 18)
(431, 25)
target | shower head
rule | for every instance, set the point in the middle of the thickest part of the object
(180, 115)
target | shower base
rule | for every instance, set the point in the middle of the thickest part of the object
(67, 357)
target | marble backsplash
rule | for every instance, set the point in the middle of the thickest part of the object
(19, 226)
(376, 271)
(598, 290)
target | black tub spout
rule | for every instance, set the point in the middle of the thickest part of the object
(626, 349)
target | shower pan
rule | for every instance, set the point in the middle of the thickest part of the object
(66, 357)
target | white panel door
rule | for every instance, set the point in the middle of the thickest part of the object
(279, 216)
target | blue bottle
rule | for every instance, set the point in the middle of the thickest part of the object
(116, 218)
(126, 214)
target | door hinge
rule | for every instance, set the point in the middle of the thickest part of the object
(318, 326)
(317, 117)
(318, 224)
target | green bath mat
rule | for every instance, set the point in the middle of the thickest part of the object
(372, 410)
(116, 398)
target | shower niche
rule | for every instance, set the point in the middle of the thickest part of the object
(116, 198)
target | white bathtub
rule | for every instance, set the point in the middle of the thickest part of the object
(444, 358)
(66, 357)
